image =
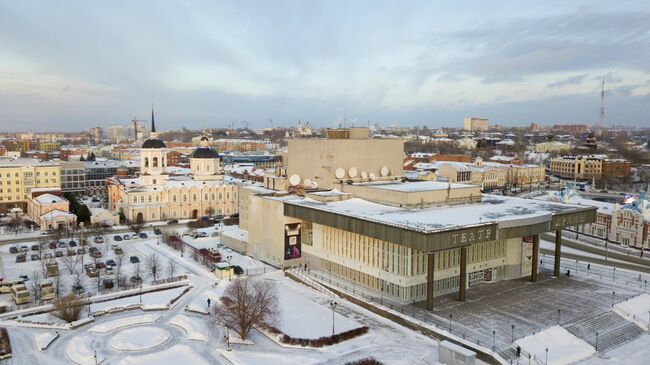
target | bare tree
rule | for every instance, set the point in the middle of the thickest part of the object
(35, 284)
(71, 262)
(154, 265)
(171, 268)
(68, 308)
(247, 303)
(78, 278)
(99, 273)
(15, 224)
(42, 246)
(58, 282)
(57, 234)
(119, 260)
(136, 273)
(210, 211)
(136, 226)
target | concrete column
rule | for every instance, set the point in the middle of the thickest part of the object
(430, 269)
(558, 249)
(463, 274)
(535, 263)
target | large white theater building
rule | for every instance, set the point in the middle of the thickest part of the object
(345, 210)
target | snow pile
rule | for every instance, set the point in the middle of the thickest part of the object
(124, 322)
(636, 309)
(44, 339)
(139, 338)
(177, 354)
(79, 350)
(193, 327)
(563, 347)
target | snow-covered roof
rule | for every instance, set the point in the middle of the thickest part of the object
(49, 199)
(420, 186)
(56, 214)
(506, 211)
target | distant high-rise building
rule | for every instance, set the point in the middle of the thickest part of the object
(96, 133)
(116, 132)
(475, 124)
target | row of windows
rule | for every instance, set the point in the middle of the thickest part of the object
(184, 197)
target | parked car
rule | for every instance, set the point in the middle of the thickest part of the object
(118, 251)
(108, 283)
(52, 245)
(117, 238)
(47, 231)
(13, 249)
(157, 231)
(21, 257)
(100, 265)
(143, 235)
(58, 253)
(35, 257)
(134, 259)
(114, 246)
(173, 221)
(92, 249)
(78, 289)
(92, 273)
(96, 254)
(72, 244)
(126, 237)
(136, 279)
(47, 256)
(81, 251)
(111, 262)
(24, 248)
(98, 239)
(35, 247)
(24, 277)
(63, 244)
(108, 270)
(237, 270)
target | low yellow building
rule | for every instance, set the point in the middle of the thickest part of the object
(18, 176)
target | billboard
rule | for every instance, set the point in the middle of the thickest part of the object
(292, 246)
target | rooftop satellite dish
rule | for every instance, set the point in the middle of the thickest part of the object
(372, 176)
(306, 182)
(294, 180)
(339, 173)
(314, 185)
(364, 175)
(352, 172)
(384, 171)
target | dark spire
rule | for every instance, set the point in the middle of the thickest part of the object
(153, 123)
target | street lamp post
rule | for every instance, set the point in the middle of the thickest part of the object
(613, 295)
(450, 317)
(333, 306)
(558, 316)
(227, 339)
(493, 338)
(546, 362)
(596, 341)
(512, 336)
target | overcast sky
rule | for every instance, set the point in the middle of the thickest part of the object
(70, 65)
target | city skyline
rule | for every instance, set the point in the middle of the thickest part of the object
(69, 66)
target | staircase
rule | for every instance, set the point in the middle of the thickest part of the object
(612, 329)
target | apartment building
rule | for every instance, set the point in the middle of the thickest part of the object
(18, 176)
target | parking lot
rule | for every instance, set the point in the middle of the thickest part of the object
(83, 267)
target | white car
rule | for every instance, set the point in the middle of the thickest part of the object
(99, 239)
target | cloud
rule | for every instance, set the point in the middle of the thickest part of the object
(572, 80)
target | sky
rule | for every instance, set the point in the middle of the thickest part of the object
(73, 64)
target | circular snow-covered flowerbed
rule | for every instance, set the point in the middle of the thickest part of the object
(139, 338)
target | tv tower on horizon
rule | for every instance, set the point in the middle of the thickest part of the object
(601, 116)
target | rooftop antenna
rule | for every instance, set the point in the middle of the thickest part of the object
(601, 117)
(345, 116)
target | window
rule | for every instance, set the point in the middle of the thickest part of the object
(142, 199)
(149, 198)
(184, 198)
(155, 162)
(193, 197)
(146, 162)
(174, 198)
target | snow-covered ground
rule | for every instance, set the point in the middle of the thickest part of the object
(635, 309)
(177, 354)
(139, 338)
(558, 344)
(194, 338)
(299, 306)
(157, 298)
